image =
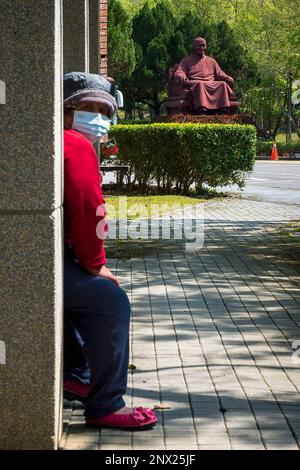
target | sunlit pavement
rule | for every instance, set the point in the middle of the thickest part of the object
(273, 181)
(213, 331)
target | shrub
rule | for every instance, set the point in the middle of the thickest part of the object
(174, 156)
(284, 149)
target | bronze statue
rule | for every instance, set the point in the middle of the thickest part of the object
(210, 87)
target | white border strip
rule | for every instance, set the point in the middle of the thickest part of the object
(2, 92)
(2, 352)
(87, 35)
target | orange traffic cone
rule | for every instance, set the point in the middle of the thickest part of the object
(274, 155)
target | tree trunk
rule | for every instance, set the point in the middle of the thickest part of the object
(279, 119)
(199, 184)
(277, 126)
(156, 104)
(157, 109)
(283, 110)
(128, 115)
(169, 185)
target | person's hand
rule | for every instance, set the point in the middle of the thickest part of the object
(105, 272)
(104, 139)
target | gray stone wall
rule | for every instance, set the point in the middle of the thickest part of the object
(31, 197)
(31, 224)
(94, 36)
(76, 34)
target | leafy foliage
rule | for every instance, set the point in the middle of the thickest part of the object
(284, 149)
(121, 53)
(257, 41)
(174, 156)
(152, 29)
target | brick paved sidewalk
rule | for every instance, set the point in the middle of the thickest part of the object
(212, 336)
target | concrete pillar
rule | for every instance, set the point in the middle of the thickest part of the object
(31, 224)
(94, 35)
(76, 35)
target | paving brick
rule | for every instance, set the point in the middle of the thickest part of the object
(215, 447)
(222, 320)
(281, 446)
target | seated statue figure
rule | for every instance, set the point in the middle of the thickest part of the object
(209, 85)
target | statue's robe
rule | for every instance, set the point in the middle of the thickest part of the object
(207, 82)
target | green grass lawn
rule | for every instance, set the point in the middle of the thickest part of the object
(281, 138)
(135, 207)
(291, 229)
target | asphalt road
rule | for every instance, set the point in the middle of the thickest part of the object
(276, 181)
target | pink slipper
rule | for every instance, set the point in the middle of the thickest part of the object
(139, 419)
(75, 391)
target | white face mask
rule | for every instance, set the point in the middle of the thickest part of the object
(92, 125)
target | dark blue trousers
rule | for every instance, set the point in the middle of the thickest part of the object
(96, 337)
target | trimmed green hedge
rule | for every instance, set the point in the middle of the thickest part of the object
(284, 149)
(133, 122)
(174, 156)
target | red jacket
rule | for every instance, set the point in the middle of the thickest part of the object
(82, 198)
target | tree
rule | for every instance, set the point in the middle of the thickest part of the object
(152, 30)
(256, 41)
(121, 53)
(274, 47)
(188, 27)
(233, 57)
(133, 6)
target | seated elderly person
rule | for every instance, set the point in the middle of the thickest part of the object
(96, 308)
(208, 83)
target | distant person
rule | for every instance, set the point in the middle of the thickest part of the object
(119, 99)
